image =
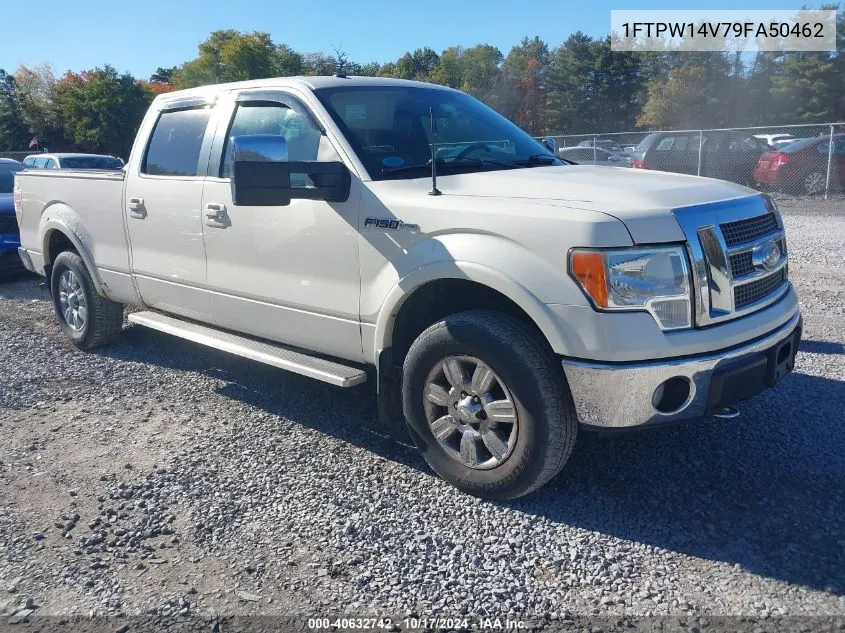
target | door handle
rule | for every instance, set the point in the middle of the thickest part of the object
(215, 214)
(215, 210)
(136, 208)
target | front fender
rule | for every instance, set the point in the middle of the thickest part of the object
(61, 218)
(536, 309)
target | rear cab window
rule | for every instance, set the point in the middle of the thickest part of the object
(175, 144)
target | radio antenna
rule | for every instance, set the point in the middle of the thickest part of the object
(434, 190)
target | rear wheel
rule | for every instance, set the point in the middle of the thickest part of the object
(87, 319)
(487, 404)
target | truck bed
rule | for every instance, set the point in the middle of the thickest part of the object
(89, 202)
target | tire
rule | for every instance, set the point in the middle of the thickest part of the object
(521, 456)
(94, 320)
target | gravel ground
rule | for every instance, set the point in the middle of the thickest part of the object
(161, 478)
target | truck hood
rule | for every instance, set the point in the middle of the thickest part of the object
(642, 200)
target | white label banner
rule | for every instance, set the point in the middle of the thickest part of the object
(723, 30)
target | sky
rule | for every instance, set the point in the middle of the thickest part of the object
(139, 36)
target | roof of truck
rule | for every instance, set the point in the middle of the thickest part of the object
(310, 82)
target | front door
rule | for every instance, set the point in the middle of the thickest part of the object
(164, 219)
(285, 273)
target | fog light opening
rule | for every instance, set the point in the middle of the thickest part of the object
(672, 395)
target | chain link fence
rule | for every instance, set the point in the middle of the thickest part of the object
(21, 155)
(791, 159)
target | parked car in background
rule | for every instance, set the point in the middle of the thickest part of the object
(9, 234)
(801, 166)
(594, 156)
(729, 156)
(609, 145)
(72, 161)
(775, 140)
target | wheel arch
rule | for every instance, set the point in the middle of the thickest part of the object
(60, 230)
(491, 289)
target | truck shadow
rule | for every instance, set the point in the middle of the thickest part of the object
(765, 492)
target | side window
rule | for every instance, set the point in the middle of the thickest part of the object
(747, 144)
(838, 147)
(305, 142)
(175, 144)
(665, 144)
(40, 163)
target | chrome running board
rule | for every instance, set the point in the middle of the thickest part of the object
(260, 351)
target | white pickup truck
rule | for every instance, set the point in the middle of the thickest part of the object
(499, 303)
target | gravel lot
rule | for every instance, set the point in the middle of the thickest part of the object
(158, 477)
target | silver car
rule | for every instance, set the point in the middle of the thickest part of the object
(594, 156)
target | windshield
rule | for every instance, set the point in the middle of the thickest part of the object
(389, 128)
(7, 177)
(91, 162)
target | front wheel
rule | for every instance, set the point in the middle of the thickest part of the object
(487, 404)
(87, 319)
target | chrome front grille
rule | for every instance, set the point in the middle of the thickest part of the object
(733, 246)
(749, 230)
(756, 290)
(742, 264)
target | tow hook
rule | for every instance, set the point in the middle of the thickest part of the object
(726, 413)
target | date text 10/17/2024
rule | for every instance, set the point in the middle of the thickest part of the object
(415, 623)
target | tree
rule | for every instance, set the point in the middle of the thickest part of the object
(803, 85)
(230, 55)
(522, 97)
(14, 134)
(419, 65)
(36, 86)
(287, 62)
(676, 102)
(163, 75)
(319, 64)
(572, 95)
(371, 69)
(101, 109)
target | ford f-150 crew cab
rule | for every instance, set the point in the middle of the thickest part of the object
(500, 303)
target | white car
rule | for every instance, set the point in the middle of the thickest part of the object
(776, 140)
(594, 156)
(499, 298)
(72, 161)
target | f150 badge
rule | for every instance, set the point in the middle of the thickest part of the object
(389, 223)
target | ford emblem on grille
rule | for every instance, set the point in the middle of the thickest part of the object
(767, 256)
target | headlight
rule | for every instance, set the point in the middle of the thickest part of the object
(652, 279)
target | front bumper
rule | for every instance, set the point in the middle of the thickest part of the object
(625, 395)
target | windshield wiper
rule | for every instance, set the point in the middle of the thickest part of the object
(449, 164)
(536, 159)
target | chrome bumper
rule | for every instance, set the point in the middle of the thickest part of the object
(620, 395)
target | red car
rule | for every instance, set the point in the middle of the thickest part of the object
(801, 167)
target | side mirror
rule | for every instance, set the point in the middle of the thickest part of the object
(261, 174)
(550, 144)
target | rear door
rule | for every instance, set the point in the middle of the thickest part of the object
(737, 157)
(669, 153)
(164, 219)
